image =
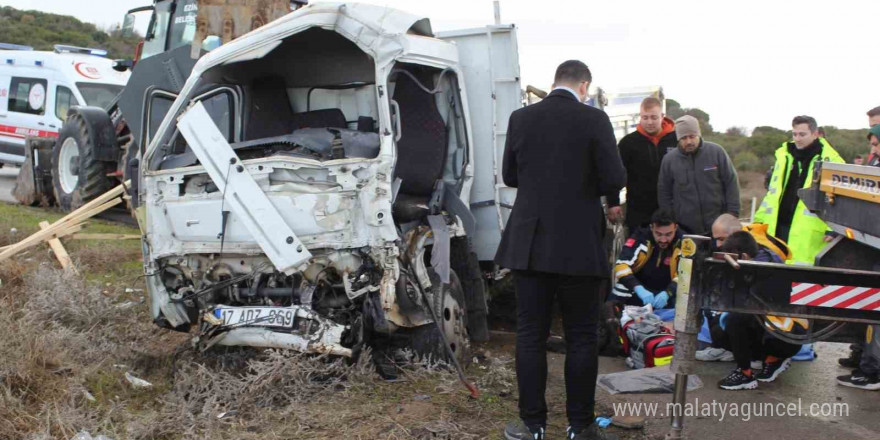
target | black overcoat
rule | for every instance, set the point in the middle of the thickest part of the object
(561, 156)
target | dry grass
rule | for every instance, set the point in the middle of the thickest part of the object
(67, 343)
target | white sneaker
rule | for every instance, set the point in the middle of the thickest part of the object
(714, 354)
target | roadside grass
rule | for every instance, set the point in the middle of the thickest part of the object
(68, 342)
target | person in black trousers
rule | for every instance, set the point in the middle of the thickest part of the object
(745, 336)
(562, 157)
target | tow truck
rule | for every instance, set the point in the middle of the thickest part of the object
(841, 291)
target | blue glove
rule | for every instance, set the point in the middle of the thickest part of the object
(644, 294)
(660, 300)
(722, 321)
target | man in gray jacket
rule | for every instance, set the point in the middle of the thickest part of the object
(697, 181)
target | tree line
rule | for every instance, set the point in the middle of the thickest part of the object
(43, 31)
(755, 151)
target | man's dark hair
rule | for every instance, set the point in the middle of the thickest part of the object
(874, 112)
(662, 217)
(809, 120)
(740, 242)
(572, 72)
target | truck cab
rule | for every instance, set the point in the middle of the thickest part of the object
(312, 183)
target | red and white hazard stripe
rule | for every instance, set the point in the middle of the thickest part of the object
(841, 297)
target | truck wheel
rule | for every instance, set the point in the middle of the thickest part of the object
(448, 303)
(131, 151)
(77, 176)
(467, 267)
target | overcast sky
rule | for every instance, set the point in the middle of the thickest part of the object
(746, 62)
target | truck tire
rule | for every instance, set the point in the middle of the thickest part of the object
(131, 151)
(77, 175)
(448, 303)
(467, 267)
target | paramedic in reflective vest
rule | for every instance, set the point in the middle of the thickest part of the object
(782, 210)
(747, 338)
(645, 272)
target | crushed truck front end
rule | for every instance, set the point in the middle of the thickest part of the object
(308, 186)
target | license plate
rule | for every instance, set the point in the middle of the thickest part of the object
(256, 316)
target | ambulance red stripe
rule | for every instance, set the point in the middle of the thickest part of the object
(22, 132)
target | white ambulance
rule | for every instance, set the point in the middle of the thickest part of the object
(38, 87)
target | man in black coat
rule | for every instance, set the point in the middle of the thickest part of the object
(642, 153)
(561, 156)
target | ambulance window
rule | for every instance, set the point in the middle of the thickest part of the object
(27, 95)
(64, 99)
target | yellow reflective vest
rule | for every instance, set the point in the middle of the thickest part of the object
(807, 230)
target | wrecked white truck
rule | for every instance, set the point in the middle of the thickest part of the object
(329, 180)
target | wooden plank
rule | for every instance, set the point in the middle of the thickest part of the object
(102, 202)
(58, 249)
(106, 237)
(98, 201)
(85, 215)
(66, 230)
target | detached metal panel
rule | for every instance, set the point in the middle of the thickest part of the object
(489, 59)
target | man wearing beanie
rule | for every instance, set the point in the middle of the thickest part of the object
(642, 152)
(697, 180)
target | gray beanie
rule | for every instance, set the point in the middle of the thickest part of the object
(686, 125)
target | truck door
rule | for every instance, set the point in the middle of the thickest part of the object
(26, 111)
(489, 60)
(64, 99)
(4, 96)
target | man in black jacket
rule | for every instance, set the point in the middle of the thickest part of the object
(642, 153)
(561, 156)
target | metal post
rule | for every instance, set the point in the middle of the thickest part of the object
(752, 218)
(497, 5)
(687, 324)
